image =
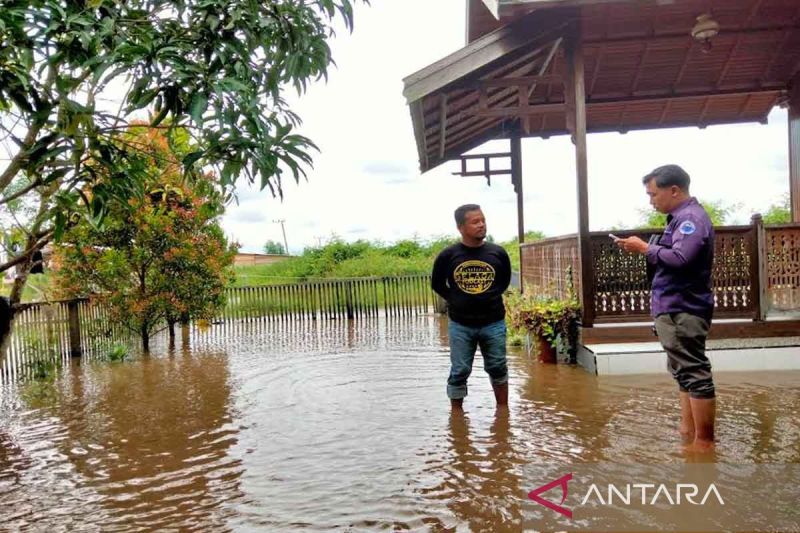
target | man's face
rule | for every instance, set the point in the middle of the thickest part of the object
(474, 226)
(662, 200)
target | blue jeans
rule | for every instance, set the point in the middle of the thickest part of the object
(464, 340)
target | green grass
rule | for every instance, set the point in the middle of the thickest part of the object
(360, 259)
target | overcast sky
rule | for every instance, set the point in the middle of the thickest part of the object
(366, 184)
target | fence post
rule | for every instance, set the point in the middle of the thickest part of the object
(759, 269)
(75, 349)
(349, 299)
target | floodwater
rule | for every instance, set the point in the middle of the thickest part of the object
(338, 427)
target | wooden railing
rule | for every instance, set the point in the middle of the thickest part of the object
(332, 299)
(53, 331)
(549, 266)
(781, 269)
(56, 331)
(756, 272)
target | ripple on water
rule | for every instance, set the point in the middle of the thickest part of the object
(320, 426)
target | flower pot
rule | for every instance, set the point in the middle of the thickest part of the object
(546, 353)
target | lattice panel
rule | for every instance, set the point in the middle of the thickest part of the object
(783, 268)
(545, 267)
(732, 273)
(621, 286)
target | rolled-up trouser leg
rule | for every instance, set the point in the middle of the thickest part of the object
(683, 337)
(463, 343)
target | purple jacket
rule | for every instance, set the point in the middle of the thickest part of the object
(682, 259)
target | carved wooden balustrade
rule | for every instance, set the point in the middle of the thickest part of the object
(782, 269)
(756, 271)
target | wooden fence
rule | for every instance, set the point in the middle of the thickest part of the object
(756, 272)
(56, 331)
(332, 299)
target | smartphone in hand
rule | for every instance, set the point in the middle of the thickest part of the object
(614, 237)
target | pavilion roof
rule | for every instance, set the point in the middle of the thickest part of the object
(643, 69)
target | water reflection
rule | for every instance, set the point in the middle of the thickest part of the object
(335, 426)
(483, 489)
(144, 443)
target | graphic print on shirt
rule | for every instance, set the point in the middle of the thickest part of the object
(474, 277)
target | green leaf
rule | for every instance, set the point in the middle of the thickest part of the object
(192, 158)
(198, 107)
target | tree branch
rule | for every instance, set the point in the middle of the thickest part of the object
(38, 245)
(11, 197)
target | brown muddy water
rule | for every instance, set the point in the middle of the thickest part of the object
(338, 427)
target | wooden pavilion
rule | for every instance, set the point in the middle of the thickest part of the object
(536, 68)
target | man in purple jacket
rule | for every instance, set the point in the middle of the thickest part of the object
(681, 299)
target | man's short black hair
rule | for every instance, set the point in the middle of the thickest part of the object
(667, 176)
(461, 212)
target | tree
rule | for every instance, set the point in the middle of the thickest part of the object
(779, 212)
(158, 259)
(273, 247)
(217, 68)
(718, 211)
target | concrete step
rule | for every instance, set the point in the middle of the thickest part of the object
(771, 353)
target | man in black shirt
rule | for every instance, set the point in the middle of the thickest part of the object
(472, 277)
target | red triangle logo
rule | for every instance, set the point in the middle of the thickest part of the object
(562, 482)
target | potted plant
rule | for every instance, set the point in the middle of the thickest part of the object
(552, 322)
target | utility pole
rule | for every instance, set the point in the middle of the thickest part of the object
(281, 221)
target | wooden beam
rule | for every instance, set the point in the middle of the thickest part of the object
(598, 64)
(638, 73)
(516, 179)
(745, 105)
(470, 63)
(575, 67)
(418, 121)
(442, 124)
(518, 111)
(794, 148)
(728, 60)
(483, 173)
(667, 38)
(775, 55)
(506, 69)
(684, 64)
(703, 112)
(546, 64)
(520, 80)
(493, 155)
(745, 329)
(693, 92)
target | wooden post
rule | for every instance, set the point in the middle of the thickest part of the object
(576, 110)
(75, 349)
(349, 301)
(516, 180)
(794, 148)
(759, 269)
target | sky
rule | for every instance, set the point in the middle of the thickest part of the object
(366, 184)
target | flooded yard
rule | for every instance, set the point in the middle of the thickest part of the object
(339, 426)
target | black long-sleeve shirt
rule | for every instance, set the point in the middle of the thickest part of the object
(473, 281)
